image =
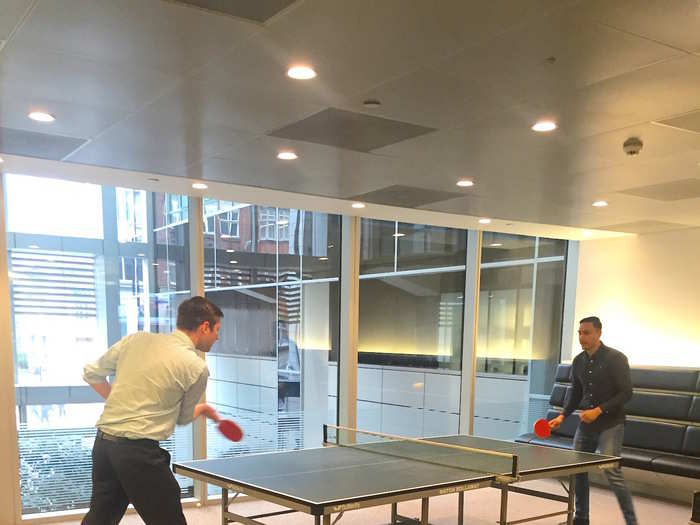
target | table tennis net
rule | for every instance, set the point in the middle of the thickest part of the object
(425, 450)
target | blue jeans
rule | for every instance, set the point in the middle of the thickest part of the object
(608, 442)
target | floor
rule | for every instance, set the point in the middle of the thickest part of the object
(481, 508)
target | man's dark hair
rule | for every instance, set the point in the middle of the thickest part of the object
(593, 320)
(196, 311)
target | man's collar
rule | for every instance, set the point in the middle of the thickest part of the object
(184, 338)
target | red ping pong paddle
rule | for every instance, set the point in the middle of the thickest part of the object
(542, 429)
(230, 430)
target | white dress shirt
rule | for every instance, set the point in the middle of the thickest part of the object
(158, 380)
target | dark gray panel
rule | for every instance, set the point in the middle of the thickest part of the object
(668, 191)
(256, 10)
(32, 144)
(644, 227)
(689, 122)
(405, 196)
(349, 130)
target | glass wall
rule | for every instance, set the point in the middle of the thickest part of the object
(521, 300)
(81, 277)
(275, 274)
(410, 327)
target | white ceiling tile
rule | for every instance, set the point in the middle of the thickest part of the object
(11, 13)
(42, 74)
(156, 34)
(675, 23)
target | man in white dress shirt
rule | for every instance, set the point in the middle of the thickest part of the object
(158, 382)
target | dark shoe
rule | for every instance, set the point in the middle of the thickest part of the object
(580, 521)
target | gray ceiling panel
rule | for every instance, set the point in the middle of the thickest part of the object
(406, 196)
(349, 130)
(255, 10)
(41, 145)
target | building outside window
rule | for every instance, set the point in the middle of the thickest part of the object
(80, 279)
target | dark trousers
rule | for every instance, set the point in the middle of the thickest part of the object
(135, 471)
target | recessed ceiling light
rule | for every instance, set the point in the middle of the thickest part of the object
(484, 221)
(371, 103)
(140, 255)
(465, 183)
(301, 72)
(544, 125)
(587, 233)
(399, 235)
(600, 204)
(282, 222)
(199, 186)
(40, 116)
(287, 155)
(230, 250)
(358, 205)
(323, 258)
(495, 245)
(233, 262)
(34, 246)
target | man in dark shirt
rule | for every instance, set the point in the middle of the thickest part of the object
(601, 385)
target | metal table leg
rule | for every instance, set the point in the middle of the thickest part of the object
(224, 506)
(460, 508)
(504, 505)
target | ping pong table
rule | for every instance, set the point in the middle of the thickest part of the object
(336, 479)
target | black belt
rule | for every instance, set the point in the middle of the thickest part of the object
(110, 437)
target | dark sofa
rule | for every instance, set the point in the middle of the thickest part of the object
(662, 432)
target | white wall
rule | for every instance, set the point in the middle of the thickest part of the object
(646, 290)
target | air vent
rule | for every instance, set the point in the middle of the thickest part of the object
(645, 227)
(41, 145)
(256, 10)
(349, 130)
(668, 191)
(406, 196)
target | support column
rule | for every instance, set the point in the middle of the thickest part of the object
(469, 334)
(196, 242)
(10, 501)
(349, 320)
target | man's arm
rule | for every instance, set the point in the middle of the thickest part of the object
(623, 384)
(190, 408)
(572, 403)
(102, 388)
(96, 374)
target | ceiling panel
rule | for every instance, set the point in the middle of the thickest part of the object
(42, 74)
(675, 23)
(257, 11)
(165, 143)
(156, 34)
(74, 120)
(11, 13)
(350, 130)
(40, 145)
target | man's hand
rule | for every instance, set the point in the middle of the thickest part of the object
(102, 388)
(206, 410)
(589, 416)
(556, 422)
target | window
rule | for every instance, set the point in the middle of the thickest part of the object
(74, 292)
(270, 368)
(268, 224)
(229, 224)
(521, 299)
(412, 280)
(131, 215)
